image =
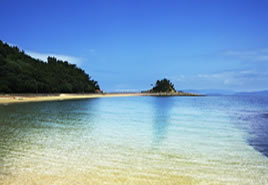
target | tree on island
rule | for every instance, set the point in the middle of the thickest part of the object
(20, 73)
(163, 86)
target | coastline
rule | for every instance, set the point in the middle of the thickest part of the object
(23, 98)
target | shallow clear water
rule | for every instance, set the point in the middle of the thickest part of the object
(136, 140)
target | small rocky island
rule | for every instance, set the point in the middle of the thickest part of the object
(165, 87)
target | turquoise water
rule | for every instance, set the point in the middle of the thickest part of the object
(136, 140)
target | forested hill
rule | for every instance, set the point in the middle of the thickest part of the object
(164, 85)
(20, 73)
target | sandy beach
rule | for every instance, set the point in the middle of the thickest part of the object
(21, 98)
(7, 99)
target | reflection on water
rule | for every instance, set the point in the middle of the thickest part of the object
(161, 118)
(109, 141)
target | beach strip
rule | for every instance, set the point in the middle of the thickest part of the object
(17, 98)
(21, 98)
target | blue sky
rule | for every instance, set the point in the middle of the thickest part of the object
(126, 45)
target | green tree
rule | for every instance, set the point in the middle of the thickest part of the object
(163, 85)
(20, 73)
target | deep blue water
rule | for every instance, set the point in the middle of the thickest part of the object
(251, 113)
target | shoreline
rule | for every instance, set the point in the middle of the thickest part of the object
(23, 98)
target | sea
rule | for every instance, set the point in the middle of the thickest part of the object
(136, 140)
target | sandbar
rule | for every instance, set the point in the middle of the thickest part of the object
(21, 98)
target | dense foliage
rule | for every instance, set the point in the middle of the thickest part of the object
(20, 73)
(163, 86)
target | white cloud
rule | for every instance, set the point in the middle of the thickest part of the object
(12, 45)
(233, 78)
(43, 56)
(251, 55)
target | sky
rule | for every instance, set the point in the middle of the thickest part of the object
(126, 45)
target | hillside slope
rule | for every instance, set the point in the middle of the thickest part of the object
(20, 73)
